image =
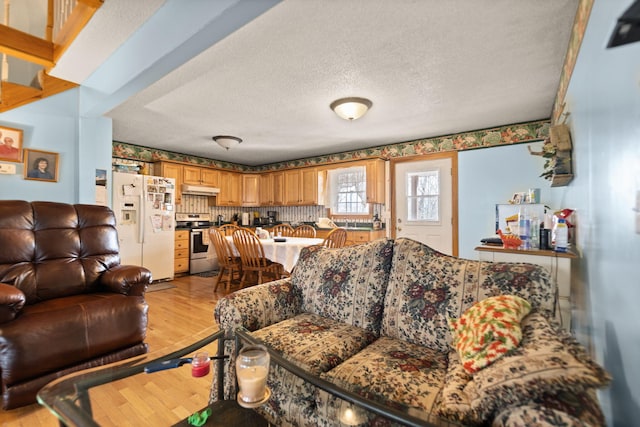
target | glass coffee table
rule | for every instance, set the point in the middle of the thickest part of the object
(172, 391)
(156, 389)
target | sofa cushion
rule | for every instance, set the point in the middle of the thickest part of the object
(313, 342)
(547, 362)
(72, 330)
(563, 410)
(395, 373)
(427, 287)
(488, 330)
(347, 284)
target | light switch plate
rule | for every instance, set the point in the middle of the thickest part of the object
(7, 168)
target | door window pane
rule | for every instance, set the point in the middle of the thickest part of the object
(423, 196)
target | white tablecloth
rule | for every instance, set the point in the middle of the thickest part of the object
(286, 253)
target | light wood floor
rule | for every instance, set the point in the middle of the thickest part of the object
(174, 314)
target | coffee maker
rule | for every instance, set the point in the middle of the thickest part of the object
(272, 218)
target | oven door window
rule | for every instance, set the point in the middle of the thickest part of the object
(198, 247)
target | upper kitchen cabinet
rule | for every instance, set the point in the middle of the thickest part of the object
(200, 176)
(230, 189)
(278, 188)
(266, 189)
(301, 187)
(251, 189)
(375, 171)
(272, 189)
(171, 170)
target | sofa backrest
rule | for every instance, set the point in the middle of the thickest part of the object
(50, 250)
(426, 287)
(346, 284)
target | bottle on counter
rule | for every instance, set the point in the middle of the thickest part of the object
(562, 236)
(377, 224)
(524, 226)
(535, 233)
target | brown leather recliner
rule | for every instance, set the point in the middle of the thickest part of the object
(66, 303)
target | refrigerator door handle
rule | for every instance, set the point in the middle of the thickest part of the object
(141, 218)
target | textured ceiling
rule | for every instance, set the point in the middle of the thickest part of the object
(268, 74)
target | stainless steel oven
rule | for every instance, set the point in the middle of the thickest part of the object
(202, 255)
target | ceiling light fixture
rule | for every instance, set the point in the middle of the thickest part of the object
(227, 141)
(351, 108)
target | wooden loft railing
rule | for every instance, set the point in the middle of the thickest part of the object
(65, 20)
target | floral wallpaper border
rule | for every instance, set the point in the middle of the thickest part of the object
(503, 135)
(577, 34)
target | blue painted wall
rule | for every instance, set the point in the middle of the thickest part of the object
(603, 100)
(489, 176)
(83, 144)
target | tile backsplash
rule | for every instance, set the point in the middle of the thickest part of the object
(292, 214)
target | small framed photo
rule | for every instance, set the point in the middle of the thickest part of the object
(41, 165)
(10, 144)
(518, 198)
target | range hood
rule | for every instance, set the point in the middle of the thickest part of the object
(199, 190)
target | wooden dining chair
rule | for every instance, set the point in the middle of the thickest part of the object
(253, 259)
(227, 261)
(227, 229)
(336, 238)
(304, 230)
(285, 229)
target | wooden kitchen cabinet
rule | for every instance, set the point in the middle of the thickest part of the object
(272, 189)
(230, 189)
(557, 263)
(375, 171)
(171, 170)
(356, 237)
(250, 189)
(266, 189)
(200, 176)
(278, 188)
(181, 252)
(301, 187)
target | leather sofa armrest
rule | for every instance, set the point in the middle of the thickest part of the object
(12, 300)
(258, 306)
(127, 279)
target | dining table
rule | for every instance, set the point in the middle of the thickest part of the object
(285, 252)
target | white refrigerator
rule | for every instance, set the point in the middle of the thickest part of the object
(144, 209)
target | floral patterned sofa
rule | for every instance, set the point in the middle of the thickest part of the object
(373, 319)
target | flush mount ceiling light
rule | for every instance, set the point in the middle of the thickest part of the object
(351, 108)
(227, 141)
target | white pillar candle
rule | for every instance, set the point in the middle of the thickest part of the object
(253, 382)
(252, 368)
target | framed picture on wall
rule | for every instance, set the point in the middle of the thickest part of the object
(41, 165)
(10, 144)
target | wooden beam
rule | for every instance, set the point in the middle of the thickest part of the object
(92, 3)
(25, 46)
(15, 95)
